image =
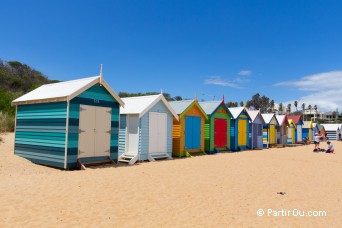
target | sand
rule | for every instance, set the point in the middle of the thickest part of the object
(219, 190)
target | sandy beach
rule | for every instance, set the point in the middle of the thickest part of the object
(220, 190)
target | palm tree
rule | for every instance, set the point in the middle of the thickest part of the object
(289, 108)
(310, 108)
(303, 108)
(241, 103)
(315, 107)
(272, 105)
(280, 108)
(295, 104)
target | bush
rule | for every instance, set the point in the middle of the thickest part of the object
(7, 122)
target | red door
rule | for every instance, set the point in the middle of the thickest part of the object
(220, 133)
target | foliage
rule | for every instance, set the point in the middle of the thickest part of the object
(231, 104)
(7, 122)
(259, 102)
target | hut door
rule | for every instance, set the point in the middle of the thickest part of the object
(242, 132)
(299, 133)
(94, 136)
(133, 134)
(192, 132)
(272, 134)
(220, 133)
(157, 132)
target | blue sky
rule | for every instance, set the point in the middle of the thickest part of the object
(287, 50)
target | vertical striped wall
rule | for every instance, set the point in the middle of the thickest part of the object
(40, 133)
(144, 128)
(122, 134)
(96, 96)
(235, 133)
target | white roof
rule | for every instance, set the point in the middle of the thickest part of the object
(267, 117)
(236, 111)
(280, 118)
(306, 124)
(140, 105)
(63, 91)
(209, 106)
(253, 114)
(332, 127)
(180, 106)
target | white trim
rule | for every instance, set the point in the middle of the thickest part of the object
(66, 136)
(78, 92)
(111, 91)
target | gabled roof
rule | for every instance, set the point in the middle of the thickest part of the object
(268, 117)
(293, 123)
(181, 107)
(63, 91)
(236, 112)
(141, 105)
(209, 107)
(253, 114)
(332, 127)
(307, 124)
(282, 120)
(295, 118)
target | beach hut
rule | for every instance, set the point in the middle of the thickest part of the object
(145, 129)
(282, 129)
(67, 124)
(291, 136)
(307, 130)
(239, 129)
(216, 127)
(188, 132)
(297, 119)
(256, 125)
(332, 131)
(318, 129)
(269, 129)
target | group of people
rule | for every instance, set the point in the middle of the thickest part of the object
(317, 141)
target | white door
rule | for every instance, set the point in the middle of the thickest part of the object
(132, 134)
(86, 131)
(102, 131)
(157, 132)
(94, 134)
(299, 133)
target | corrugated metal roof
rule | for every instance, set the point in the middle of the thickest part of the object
(267, 117)
(295, 118)
(140, 105)
(332, 127)
(180, 106)
(236, 111)
(209, 106)
(253, 114)
(63, 91)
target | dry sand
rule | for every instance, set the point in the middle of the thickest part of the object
(220, 190)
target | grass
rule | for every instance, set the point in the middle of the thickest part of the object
(7, 122)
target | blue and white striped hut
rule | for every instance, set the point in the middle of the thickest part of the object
(145, 129)
(67, 123)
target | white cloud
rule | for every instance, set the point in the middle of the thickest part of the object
(325, 90)
(217, 80)
(245, 72)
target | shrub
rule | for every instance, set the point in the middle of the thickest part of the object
(7, 122)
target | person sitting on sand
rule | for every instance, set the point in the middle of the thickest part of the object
(330, 147)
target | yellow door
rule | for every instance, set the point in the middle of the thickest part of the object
(310, 134)
(293, 135)
(242, 133)
(272, 133)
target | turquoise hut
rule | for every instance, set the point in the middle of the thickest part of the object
(239, 129)
(68, 123)
(216, 127)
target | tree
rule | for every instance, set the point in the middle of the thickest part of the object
(295, 104)
(303, 110)
(272, 105)
(231, 104)
(241, 103)
(315, 107)
(177, 98)
(281, 108)
(258, 102)
(289, 108)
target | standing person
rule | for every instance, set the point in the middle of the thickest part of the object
(330, 147)
(317, 139)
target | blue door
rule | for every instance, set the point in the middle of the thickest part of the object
(192, 132)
